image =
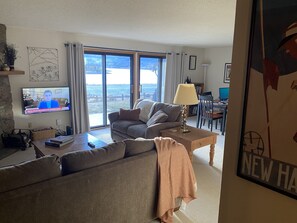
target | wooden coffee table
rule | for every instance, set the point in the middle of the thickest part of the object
(194, 139)
(80, 143)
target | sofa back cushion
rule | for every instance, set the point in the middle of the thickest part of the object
(29, 172)
(137, 146)
(158, 117)
(146, 106)
(80, 160)
(173, 111)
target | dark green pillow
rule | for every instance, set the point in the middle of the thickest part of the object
(137, 146)
(80, 160)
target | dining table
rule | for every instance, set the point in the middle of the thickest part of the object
(218, 105)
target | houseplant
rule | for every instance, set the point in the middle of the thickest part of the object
(10, 55)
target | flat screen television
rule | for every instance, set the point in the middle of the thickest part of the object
(45, 99)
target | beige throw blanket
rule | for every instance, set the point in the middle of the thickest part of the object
(176, 176)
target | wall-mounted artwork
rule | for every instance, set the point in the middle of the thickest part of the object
(227, 73)
(268, 149)
(43, 64)
(192, 62)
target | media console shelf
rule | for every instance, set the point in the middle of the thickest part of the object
(12, 72)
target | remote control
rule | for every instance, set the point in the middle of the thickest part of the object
(91, 144)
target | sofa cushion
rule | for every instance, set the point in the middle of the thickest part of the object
(137, 146)
(158, 117)
(29, 172)
(146, 108)
(130, 114)
(123, 125)
(173, 111)
(137, 130)
(80, 160)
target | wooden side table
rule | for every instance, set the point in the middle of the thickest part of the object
(194, 139)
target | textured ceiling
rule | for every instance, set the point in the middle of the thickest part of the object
(196, 23)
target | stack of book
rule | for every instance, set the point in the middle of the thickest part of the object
(59, 141)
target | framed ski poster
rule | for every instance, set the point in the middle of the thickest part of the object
(268, 148)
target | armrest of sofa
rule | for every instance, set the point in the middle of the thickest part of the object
(113, 116)
(154, 130)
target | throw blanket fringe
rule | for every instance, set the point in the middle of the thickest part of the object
(176, 176)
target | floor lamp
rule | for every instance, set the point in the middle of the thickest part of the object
(185, 95)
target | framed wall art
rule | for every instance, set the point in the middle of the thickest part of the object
(192, 62)
(268, 148)
(227, 72)
(43, 64)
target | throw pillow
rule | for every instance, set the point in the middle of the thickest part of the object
(29, 172)
(137, 146)
(132, 114)
(173, 111)
(158, 117)
(146, 106)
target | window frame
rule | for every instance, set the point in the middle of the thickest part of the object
(104, 53)
(134, 69)
(161, 57)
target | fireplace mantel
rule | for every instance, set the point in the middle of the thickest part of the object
(12, 72)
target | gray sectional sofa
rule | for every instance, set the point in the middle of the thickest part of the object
(150, 120)
(115, 184)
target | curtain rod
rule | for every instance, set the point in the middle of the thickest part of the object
(138, 51)
(109, 48)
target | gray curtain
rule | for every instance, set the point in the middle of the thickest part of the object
(77, 82)
(174, 74)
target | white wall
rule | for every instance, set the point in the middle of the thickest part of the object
(22, 38)
(216, 58)
(197, 74)
(241, 200)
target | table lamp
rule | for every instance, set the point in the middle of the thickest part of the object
(185, 95)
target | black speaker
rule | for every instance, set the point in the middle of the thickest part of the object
(69, 130)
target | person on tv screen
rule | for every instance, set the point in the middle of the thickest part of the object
(47, 101)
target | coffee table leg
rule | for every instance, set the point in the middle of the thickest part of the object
(38, 154)
(211, 154)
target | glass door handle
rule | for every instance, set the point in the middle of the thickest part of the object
(132, 89)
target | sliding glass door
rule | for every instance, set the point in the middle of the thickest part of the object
(108, 82)
(151, 77)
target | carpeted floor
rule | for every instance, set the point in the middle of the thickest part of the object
(205, 208)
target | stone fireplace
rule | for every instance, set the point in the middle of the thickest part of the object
(6, 114)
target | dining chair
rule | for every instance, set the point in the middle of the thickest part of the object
(207, 112)
(206, 93)
(199, 109)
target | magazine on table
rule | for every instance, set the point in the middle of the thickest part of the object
(61, 139)
(58, 144)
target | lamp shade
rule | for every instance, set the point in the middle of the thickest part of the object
(185, 95)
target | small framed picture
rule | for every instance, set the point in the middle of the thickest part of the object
(192, 62)
(227, 73)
